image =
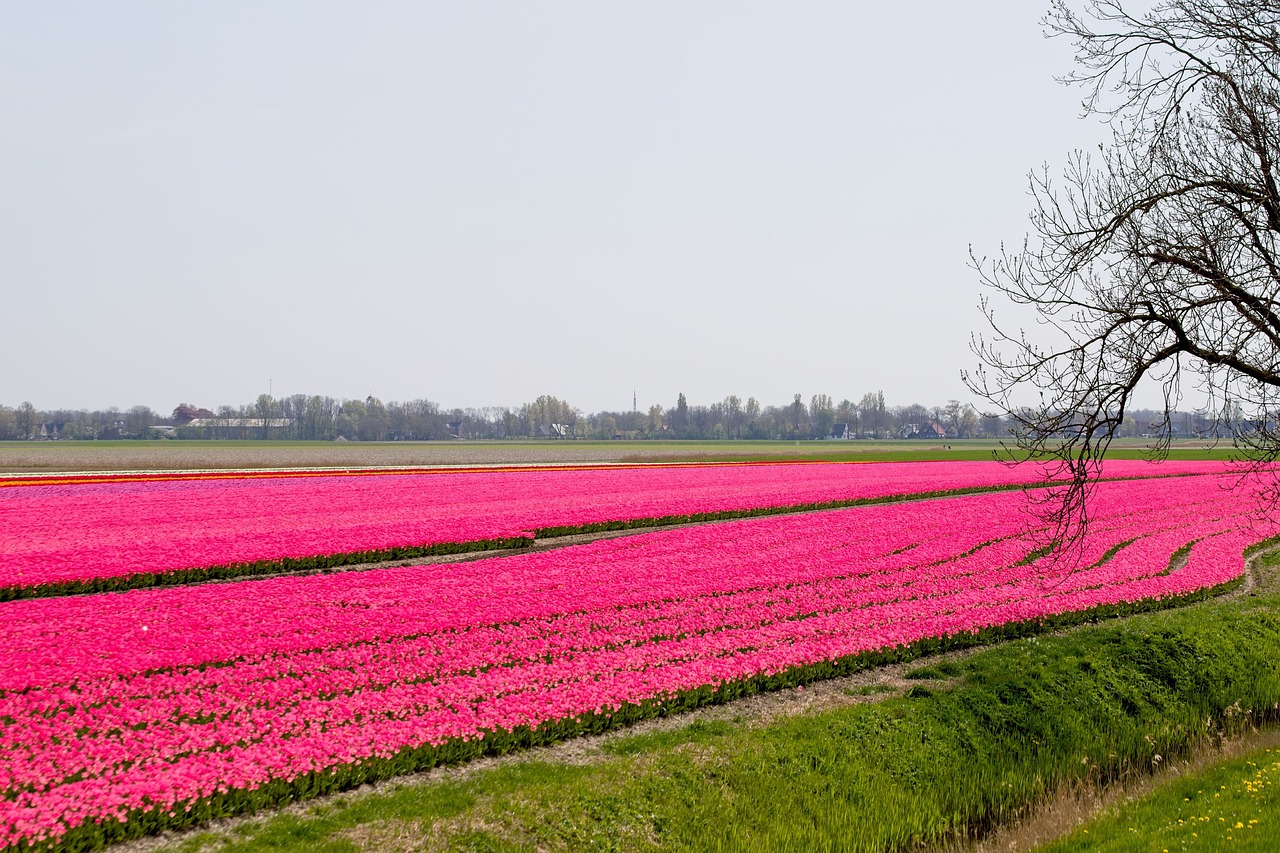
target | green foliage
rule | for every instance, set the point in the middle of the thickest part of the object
(696, 732)
(945, 669)
(869, 690)
(1235, 804)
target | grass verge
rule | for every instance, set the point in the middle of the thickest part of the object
(1234, 804)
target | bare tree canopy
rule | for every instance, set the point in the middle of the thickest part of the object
(1154, 259)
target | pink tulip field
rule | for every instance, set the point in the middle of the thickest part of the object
(125, 713)
(144, 531)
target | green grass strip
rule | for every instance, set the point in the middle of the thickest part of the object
(1232, 805)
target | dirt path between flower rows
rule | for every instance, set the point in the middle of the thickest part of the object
(1059, 814)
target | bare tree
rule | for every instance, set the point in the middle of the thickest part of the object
(1156, 259)
(25, 420)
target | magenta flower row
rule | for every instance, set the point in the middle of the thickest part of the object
(84, 532)
(115, 706)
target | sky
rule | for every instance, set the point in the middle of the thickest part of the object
(479, 203)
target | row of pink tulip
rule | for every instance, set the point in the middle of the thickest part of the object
(86, 537)
(143, 704)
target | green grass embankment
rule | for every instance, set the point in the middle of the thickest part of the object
(976, 742)
(1232, 805)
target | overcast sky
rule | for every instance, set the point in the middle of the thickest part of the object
(478, 203)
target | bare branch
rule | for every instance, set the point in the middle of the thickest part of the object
(1156, 258)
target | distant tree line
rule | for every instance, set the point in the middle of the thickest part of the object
(303, 417)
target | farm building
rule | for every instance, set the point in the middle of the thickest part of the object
(928, 430)
(555, 431)
(234, 427)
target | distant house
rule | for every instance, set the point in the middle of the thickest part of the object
(234, 427)
(928, 430)
(841, 431)
(555, 431)
(239, 423)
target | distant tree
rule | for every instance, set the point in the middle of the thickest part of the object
(347, 422)
(798, 416)
(847, 413)
(25, 420)
(822, 415)
(702, 422)
(679, 417)
(76, 431)
(422, 419)
(960, 419)
(317, 419)
(294, 407)
(733, 415)
(266, 408)
(548, 410)
(511, 424)
(185, 413)
(911, 417)
(373, 424)
(8, 424)
(653, 425)
(603, 425)
(871, 410)
(751, 412)
(105, 421)
(138, 421)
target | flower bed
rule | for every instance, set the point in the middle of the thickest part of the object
(142, 531)
(127, 713)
